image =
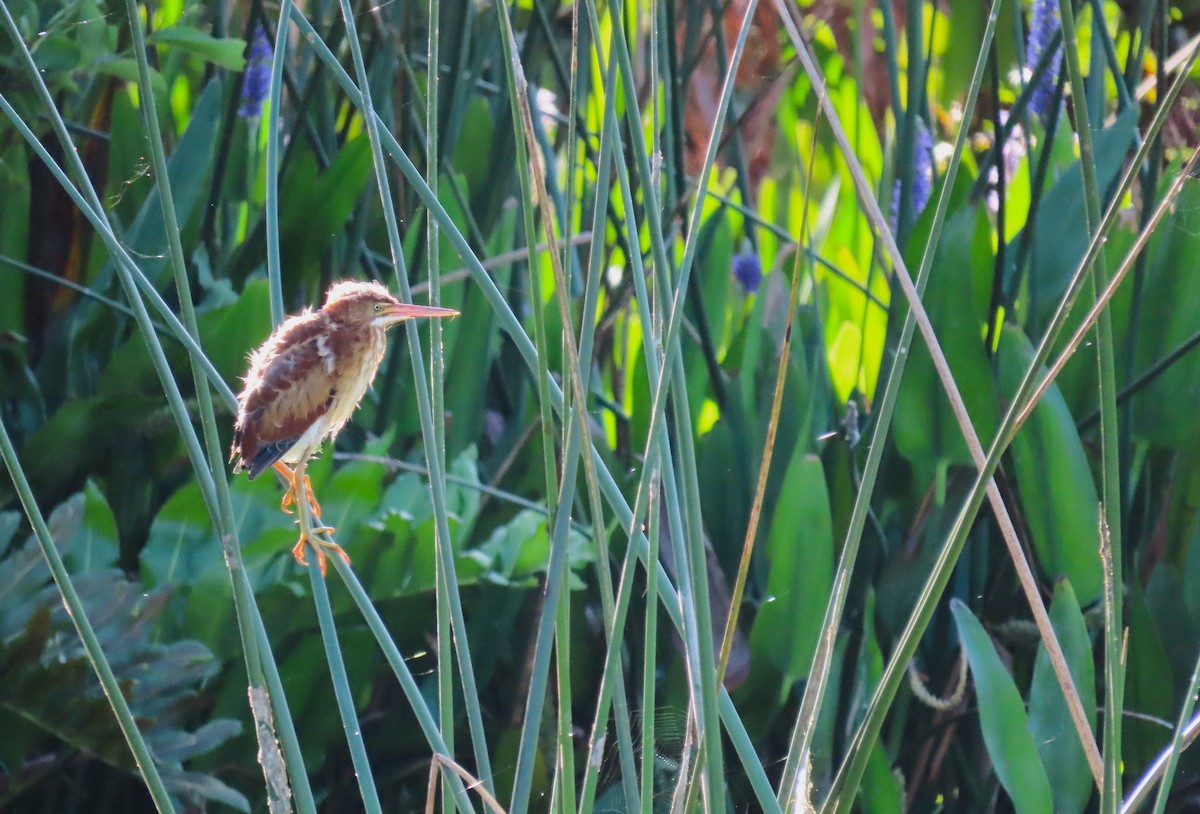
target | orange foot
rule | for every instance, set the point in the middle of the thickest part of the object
(318, 536)
(300, 551)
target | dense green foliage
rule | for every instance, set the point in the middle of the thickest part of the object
(698, 269)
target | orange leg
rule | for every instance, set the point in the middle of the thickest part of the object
(289, 497)
(316, 535)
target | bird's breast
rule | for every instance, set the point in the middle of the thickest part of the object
(356, 360)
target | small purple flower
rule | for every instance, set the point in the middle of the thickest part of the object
(748, 270)
(1044, 23)
(256, 84)
(922, 184)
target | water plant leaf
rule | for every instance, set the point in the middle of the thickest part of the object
(47, 680)
(1002, 718)
(1052, 475)
(1049, 721)
(227, 52)
(799, 548)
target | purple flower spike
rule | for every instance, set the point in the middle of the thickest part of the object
(256, 85)
(748, 270)
(1043, 24)
(922, 168)
(922, 186)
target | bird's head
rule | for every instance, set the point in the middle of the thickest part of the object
(371, 305)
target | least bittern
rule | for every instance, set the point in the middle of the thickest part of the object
(305, 382)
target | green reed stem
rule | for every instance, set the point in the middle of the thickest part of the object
(437, 374)
(226, 525)
(509, 323)
(395, 659)
(271, 176)
(1110, 797)
(341, 681)
(449, 601)
(814, 692)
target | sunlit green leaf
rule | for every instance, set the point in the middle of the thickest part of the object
(227, 53)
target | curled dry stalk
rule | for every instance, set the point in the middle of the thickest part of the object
(440, 764)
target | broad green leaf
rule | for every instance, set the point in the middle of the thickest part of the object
(1165, 410)
(472, 153)
(56, 53)
(314, 206)
(1050, 468)
(1149, 686)
(305, 674)
(227, 52)
(478, 346)
(1006, 733)
(48, 682)
(350, 495)
(95, 545)
(844, 354)
(68, 446)
(126, 69)
(1049, 721)
(229, 333)
(187, 168)
(1190, 576)
(881, 792)
(715, 277)
(14, 242)
(717, 454)
(521, 548)
(962, 46)
(1163, 592)
(800, 554)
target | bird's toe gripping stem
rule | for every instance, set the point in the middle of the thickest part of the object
(316, 535)
(320, 546)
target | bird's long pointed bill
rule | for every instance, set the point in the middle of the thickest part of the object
(404, 310)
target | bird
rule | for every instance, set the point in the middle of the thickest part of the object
(304, 383)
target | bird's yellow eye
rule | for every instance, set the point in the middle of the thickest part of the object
(378, 306)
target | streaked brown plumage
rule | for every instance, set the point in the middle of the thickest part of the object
(305, 382)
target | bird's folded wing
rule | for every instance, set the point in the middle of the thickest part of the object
(294, 391)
